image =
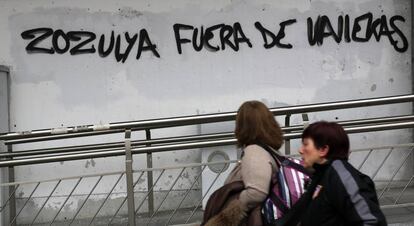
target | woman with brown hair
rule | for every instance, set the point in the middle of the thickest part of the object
(255, 124)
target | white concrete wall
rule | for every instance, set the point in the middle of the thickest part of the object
(52, 90)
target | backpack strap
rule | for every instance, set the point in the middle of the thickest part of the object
(278, 158)
(284, 161)
(278, 202)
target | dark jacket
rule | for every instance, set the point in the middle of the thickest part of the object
(343, 196)
(223, 208)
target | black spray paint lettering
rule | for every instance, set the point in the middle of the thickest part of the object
(240, 37)
(130, 42)
(217, 37)
(145, 39)
(32, 46)
(208, 35)
(82, 42)
(322, 28)
(231, 36)
(404, 40)
(276, 39)
(101, 47)
(77, 36)
(55, 41)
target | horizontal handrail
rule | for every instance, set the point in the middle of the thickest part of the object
(203, 137)
(285, 129)
(147, 142)
(120, 144)
(206, 118)
(188, 165)
(377, 148)
(61, 136)
(182, 146)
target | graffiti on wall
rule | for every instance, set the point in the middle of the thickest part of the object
(218, 37)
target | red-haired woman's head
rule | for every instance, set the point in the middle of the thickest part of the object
(323, 141)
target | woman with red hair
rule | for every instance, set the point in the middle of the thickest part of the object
(339, 194)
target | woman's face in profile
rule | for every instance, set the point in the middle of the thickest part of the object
(310, 153)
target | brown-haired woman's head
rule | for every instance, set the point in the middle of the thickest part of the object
(255, 124)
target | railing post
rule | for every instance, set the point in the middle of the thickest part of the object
(150, 178)
(412, 63)
(7, 174)
(129, 178)
(12, 202)
(305, 119)
(287, 141)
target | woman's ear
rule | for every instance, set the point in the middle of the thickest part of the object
(323, 152)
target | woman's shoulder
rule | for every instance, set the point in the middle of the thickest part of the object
(256, 155)
(253, 146)
(256, 151)
(256, 147)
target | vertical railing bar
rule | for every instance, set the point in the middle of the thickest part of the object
(382, 163)
(86, 199)
(123, 202)
(202, 198)
(287, 141)
(149, 173)
(395, 173)
(186, 194)
(402, 192)
(67, 198)
(129, 178)
(10, 196)
(165, 197)
(25, 203)
(365, 159)
(142, 202)
(106, 198)
(47, 199)
(10, 172)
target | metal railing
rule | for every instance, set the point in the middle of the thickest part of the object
(177, 146)
(185, 210)
(117, 176)
(199, 119)
(149, 146)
